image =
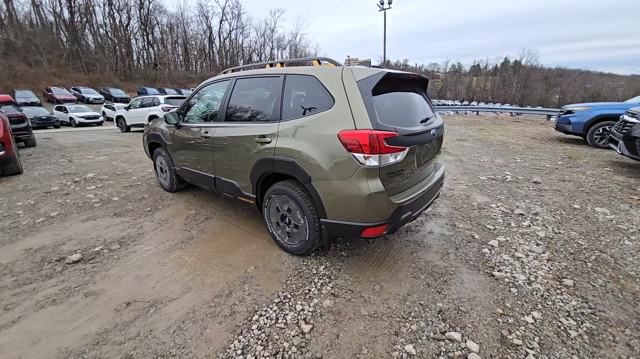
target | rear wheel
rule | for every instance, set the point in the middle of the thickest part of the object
(122, 125)
(291, 218)
(165, 171)
(598, 134)
(14, 165)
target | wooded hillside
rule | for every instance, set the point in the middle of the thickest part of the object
(128, 42)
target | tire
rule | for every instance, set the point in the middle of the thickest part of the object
(99, 123)
(598, 134)
(56, 126)
(122, 125)
(14, 165)
(165, 171)
(31, 142)
(72, 122)
(292, 218)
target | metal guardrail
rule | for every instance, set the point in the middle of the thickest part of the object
(549, 112)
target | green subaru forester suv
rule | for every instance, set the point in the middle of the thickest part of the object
(323, 150)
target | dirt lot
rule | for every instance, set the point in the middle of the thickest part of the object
(532, 250)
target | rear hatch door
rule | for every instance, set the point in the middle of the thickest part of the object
(398, 101)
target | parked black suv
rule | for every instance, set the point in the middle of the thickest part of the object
(114, 94)
(625, 134)
(20, 124)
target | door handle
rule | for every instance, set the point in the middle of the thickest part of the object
(262, 139)
(205, 134)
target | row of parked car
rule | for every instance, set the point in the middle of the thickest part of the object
(613, 125)
(21, 112)
(88, 95)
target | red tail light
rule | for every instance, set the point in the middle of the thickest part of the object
(370, 142)
(370, 147)
(167, 108)
(376, 231)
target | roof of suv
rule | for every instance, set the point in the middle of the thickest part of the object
(310, 66)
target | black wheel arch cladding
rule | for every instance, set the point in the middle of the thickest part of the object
(287, 167)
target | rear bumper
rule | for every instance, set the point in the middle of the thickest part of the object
(625, 145)
(402, 215)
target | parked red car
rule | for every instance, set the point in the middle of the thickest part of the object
(9, 156)
(58, 95)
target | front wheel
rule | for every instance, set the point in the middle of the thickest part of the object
(31, 142)
(165, 171)
(73, 123)
(598, 134)
(291, 218)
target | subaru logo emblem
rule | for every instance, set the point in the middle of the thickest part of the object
(434, 132)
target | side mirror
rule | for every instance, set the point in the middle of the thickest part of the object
(126, 108)
(172, 118)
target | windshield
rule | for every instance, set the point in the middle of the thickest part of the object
(152, 91)
(633, 100)
(170, 91)
(25, 93)
(117, 92)
(9, 108)
(35, 111)
(88, 91)
(79, 108)
(174, 101)
(59, 91)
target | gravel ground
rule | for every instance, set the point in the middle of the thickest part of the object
(531, 251)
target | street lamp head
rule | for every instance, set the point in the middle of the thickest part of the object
(390, 2)
(381, 2)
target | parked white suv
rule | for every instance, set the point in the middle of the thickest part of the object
(141, 110)
(75, 115)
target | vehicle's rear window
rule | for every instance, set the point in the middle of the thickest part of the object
(401, 102)
(174, 101)
(22, 93)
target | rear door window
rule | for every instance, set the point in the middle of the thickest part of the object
(304, 96)
(255, 99)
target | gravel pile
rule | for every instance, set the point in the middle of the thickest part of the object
(283, 328)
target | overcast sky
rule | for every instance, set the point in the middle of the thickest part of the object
(593, 34)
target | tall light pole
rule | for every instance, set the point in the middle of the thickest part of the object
(384, 7)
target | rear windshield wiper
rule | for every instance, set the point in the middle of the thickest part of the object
(427, 119)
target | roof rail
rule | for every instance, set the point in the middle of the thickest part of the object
(303, 61)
